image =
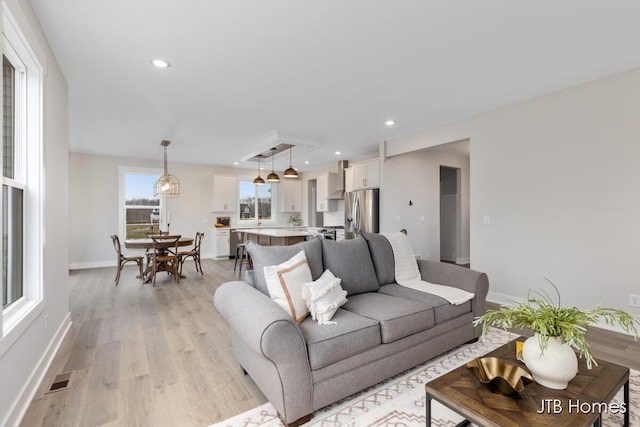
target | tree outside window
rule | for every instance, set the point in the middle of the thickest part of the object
(252, 195)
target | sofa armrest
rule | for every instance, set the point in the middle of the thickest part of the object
(273, 350)
(443, 273)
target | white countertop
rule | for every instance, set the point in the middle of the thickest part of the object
(281, 232)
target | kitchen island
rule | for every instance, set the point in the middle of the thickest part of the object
(278, 236)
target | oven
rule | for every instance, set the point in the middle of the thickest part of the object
(332, 233)
(328, 233)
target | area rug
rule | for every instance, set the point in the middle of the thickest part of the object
(400, 401)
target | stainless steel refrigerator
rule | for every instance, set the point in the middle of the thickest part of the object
(361, 212)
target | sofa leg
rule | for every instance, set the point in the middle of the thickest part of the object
(473, 340)
(297, 422)
(244, 372)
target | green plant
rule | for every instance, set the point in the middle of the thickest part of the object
(295, 220)
(547, 319)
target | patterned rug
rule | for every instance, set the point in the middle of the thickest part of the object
(400, 401)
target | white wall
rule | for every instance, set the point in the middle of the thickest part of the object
(94, 205)
(559, 178)
(25, 361)
(415, 177)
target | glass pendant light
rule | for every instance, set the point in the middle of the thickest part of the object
(290, 172)
(258, 180)
(273, 177)
(167, 185)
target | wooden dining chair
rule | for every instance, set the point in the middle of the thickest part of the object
(165, 256)
(122, 260)
(193, 253)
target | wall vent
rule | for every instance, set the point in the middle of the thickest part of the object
(61, 382)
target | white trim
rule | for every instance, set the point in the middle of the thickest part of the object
(122, 171)
(24, 398)
(111, 263)
(91, 264)
(463, 260)
(17, 321)
(503, 299)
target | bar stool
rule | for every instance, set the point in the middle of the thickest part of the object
(241, 250)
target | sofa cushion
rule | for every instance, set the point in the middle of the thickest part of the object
(350, 261)
(263, 256)
(382, 257)
(398, 317)
(324, 297)
(352, 334)
(442, 309)
(285, 282)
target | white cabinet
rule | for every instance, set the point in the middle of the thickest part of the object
(290, 195)
(348, 179)
(225, 194)
(222, 243)
(363, 175)
(326, 186)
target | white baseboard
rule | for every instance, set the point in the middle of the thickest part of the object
(22, 402)
(503, 299)
(463, 260)
(91, 264)
(111, 263)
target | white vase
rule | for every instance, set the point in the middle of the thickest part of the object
(555, 366)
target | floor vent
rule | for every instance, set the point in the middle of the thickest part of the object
(60, 382)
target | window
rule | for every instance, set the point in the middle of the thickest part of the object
(252, 195)
(141, 209)
(21, 203)
(13, 183)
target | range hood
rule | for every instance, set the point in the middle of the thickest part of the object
(340, 187)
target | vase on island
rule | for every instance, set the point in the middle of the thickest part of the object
(552, 365)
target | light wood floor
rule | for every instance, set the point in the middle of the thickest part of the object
(144, 356)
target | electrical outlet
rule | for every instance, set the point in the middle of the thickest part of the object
(634, 300)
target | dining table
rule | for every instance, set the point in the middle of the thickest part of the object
(146, 243)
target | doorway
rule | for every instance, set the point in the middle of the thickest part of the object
(315, 218)
(450, 214)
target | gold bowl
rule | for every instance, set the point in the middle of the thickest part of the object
(499, 376)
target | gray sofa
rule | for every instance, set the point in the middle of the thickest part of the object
(383, 329)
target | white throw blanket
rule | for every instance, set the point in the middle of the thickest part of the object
(408, 274)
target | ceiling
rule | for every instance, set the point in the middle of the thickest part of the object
(322, 75)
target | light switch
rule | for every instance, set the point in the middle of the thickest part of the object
(486, 220)
(398, 218)
(422, 218)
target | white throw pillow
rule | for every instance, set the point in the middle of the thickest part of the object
(285, 282)
(323, 297)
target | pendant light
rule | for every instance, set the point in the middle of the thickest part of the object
(273, 177)
(290, 172)
(167, 185)
(258, 180)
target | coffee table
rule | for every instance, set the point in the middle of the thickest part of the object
(583, 403)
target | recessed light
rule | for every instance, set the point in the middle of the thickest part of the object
(236, 163)
(337, 153)
(160, 63)
(390, 123)
(306, 162)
